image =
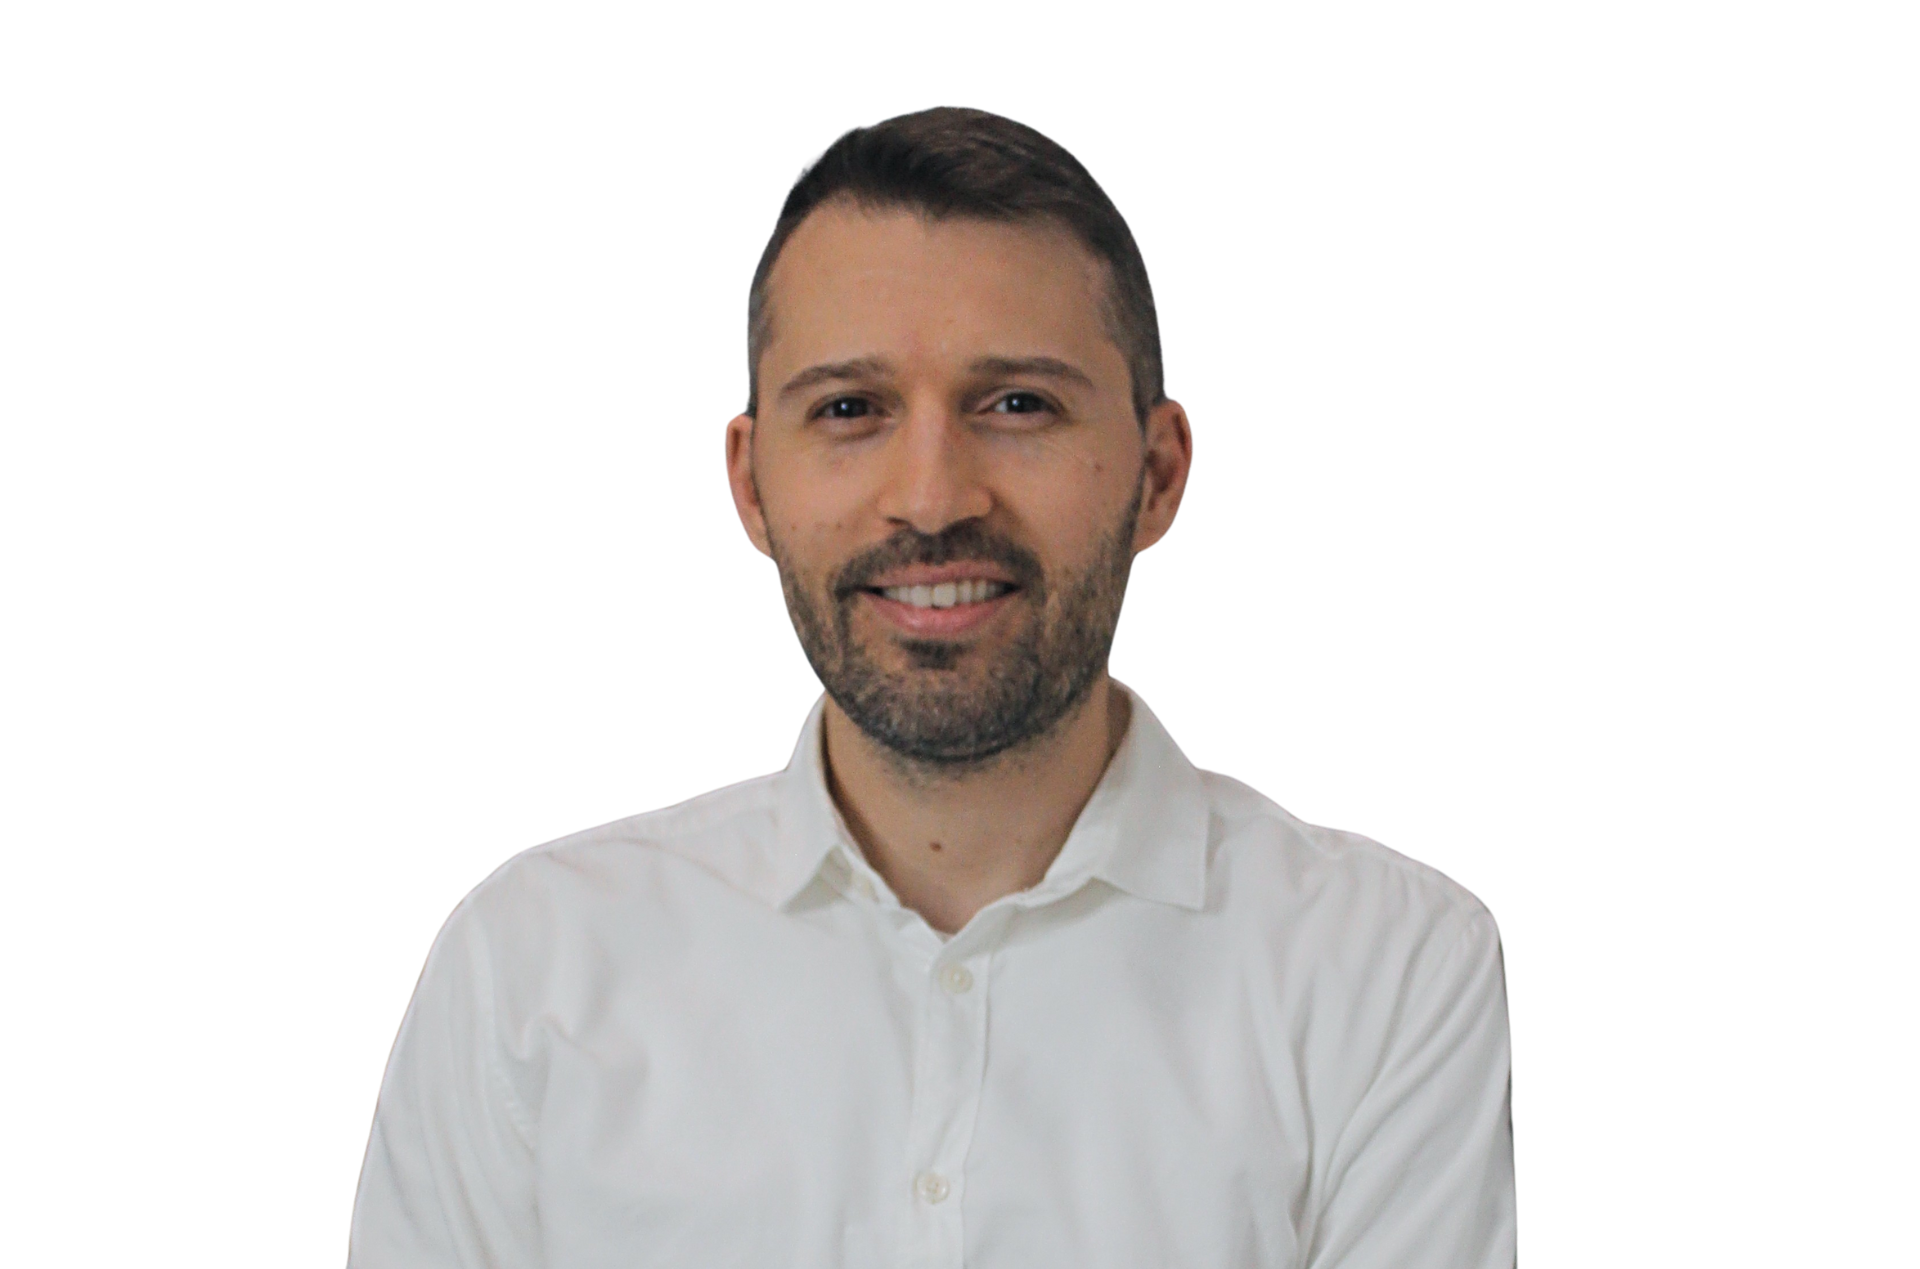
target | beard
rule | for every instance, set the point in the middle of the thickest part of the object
(955, 704)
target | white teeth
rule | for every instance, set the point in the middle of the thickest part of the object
(946, 594)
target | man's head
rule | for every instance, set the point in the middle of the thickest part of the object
(957, 438)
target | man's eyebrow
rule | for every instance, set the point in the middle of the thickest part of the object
(1044, 367)
(837, 371)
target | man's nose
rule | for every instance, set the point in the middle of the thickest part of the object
(934, 478)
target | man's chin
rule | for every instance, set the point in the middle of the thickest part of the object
(935, 729)
(935, 669)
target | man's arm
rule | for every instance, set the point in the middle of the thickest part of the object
(448, 1178)
(1422, 1174)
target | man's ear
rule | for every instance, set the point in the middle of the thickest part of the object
(746, 497)
(1163, 476)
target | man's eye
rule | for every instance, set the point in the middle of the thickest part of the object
(1021, 403)
(846, 408)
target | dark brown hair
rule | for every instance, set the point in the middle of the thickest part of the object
(949, 162)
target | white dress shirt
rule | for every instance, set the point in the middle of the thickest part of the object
(1212, 1036)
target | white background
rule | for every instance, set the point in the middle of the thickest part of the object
(1553, 371)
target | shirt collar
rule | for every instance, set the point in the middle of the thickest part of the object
(809, 825)
(1144, 830)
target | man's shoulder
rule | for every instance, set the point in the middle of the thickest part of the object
(1268, 860)
(722, 836)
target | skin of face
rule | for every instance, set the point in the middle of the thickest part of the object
(922, 373)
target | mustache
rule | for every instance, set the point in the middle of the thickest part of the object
(966, 540)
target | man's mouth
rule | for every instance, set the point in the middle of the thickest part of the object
(956, 586)
(941, 601)
(945, 594)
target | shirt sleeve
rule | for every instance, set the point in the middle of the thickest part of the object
(1422, 1174)
(448, 1178)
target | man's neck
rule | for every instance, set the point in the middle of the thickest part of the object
(951, 842)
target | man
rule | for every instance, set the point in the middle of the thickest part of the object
(989, 975)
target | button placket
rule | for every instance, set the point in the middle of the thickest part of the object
(950, 1065)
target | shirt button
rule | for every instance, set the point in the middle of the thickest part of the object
(865, 887)
(956, 979)
(931, 1187)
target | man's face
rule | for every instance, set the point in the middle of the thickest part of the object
(947, 469)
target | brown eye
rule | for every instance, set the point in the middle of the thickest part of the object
(1021, 403)
(846, 408)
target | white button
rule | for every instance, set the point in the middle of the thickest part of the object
(864, 886)
(931, 1187)
(956, 979)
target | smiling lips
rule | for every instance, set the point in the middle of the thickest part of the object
(939, 602)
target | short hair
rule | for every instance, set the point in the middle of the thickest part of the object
(954, 162)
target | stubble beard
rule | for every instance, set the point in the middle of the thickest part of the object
(956, 706)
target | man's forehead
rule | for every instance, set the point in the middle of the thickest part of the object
(861, 280)
(843, 233)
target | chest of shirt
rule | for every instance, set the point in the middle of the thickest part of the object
(1064, 1088)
